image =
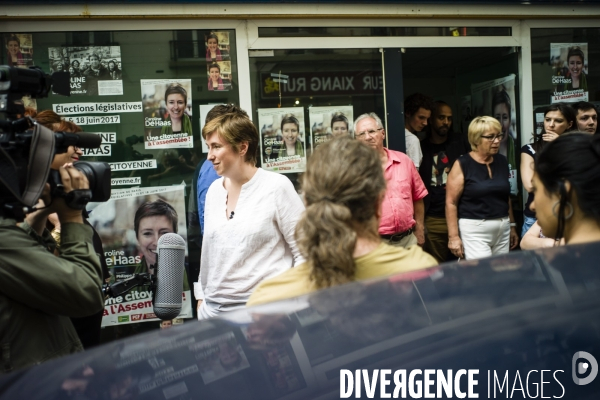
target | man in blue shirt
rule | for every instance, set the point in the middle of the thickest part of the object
(206, 177)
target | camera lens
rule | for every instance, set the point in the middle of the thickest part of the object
(98, 175)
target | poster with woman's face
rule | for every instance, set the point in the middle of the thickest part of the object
(94, 70)
(496, 98)
(19, 54)
(19, 49)
(570, 65)
(329, 122)
(130, 225)
(217, 46)
(167, 107)
(219, 76)
(282, 139)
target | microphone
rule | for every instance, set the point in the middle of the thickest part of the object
(170, 265)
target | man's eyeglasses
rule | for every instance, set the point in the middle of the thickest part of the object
(491, 138)
(370, 133)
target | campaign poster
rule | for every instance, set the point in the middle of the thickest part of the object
(219, 76)
(497, 99)
(219, 357)
(128, 252)
(570, 70)
(217, 46)
(167, 105)
(282, 140)
(329, 122)
(19, 49)
(19, 54)
(94, 70)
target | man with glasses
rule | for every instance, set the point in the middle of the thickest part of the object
(440, 148)
(402, 209)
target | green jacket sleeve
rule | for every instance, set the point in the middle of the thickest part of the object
(68, 285)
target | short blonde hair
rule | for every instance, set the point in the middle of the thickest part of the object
(479, 126)
(235, 128)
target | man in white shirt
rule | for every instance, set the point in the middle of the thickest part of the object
(417, 109)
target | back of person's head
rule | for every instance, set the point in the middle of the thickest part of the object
(416, 101)
(573, 158)
(479, 126)
(48, 118)
(582, 106)
(30, 112)
(342, 187)
(235, 128)
(66, 126)
(221, 109)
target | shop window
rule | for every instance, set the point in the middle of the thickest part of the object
(307, 91)
(563, 63)
(146, 94)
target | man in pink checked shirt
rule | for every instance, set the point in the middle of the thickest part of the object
(402, 210)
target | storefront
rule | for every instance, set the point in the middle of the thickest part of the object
(311, 60)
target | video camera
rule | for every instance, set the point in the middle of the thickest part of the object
(28, 148)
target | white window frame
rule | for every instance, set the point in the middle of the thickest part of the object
(247, 33)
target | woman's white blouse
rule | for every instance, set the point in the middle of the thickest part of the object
(256, 244)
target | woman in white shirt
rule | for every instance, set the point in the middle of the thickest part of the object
(249, 219)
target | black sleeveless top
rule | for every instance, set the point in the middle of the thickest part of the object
(482, 197)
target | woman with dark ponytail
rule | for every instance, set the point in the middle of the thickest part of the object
(567, 194)
(338, 234)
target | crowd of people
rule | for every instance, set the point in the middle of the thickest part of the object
(364, 211)
(447, 198)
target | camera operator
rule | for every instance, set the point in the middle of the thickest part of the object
(38, 291)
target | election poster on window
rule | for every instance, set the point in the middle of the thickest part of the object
(167, 105)
(19, 54)
(497, 98)
(282, 139)
(129, 225)
(329, 122)
(570, 72)
(93, 70)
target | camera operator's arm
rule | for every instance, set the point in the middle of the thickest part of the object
(36, 220)
(67, 285)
